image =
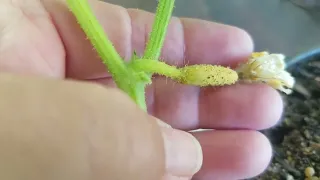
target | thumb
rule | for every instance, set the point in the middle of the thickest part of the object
(65, 130)
(74, 131)
(183, 154)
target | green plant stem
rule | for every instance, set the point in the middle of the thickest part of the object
(153, 66)
(159, 29)
(122, 75)
(97, 36)
(157, 37)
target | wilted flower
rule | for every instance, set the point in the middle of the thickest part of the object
(267, 68)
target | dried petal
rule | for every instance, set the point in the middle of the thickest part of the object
(267, 68)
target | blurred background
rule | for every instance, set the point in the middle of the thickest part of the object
(280, 26)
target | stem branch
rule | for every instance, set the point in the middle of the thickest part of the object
(124, 76)
(152, 66)
(121, 74)
(157, 36)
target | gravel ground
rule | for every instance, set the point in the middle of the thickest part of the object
(296, 140)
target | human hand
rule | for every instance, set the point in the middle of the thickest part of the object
(56, 130)
(44, 39)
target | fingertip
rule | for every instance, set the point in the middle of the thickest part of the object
(183, 152)
(242, 44)
(211, 42)
(241, 106)
(233, 154)
(270, 103)
(257, 154)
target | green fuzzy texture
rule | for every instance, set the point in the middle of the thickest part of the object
(159, 29)
(127, 79)
(134, 76)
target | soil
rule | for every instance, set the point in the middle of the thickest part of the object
(296, 140)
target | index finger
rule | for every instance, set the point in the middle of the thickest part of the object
(188, 41)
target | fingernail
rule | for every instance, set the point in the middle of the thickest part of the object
(162, 124)
(183, 152)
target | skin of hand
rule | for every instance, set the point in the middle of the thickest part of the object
(52, 129)
(42, 38)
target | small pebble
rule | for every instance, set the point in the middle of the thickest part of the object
(309, 171)
(289, 177)
(307, 149)
(315, 145)
(297, 140)
(312, 178)
(307, 134)
(303, 144)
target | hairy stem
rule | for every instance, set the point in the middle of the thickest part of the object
(126, 78)
(152, 66)
(157, 37)
(121, 74)
(159, 29)
(96, 35)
